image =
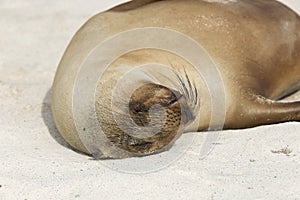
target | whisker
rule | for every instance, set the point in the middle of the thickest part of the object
(196, 95)
(189, 83)
(183, 85)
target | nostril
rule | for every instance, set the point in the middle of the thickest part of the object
(139, 113)
(138, 107)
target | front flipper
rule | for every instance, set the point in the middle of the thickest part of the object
(259, 110)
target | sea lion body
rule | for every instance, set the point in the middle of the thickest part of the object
(255, 45)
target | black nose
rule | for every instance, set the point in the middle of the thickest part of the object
(137, 107)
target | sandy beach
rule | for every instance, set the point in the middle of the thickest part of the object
(36, 163)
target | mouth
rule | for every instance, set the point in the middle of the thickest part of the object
(142, 148)
(142, 145)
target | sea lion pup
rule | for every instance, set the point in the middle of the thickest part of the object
(255, 45)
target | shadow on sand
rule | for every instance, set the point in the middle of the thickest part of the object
(49, 122)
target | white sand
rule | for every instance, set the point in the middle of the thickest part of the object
(33, 165)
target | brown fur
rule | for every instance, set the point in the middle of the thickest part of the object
(254, 43)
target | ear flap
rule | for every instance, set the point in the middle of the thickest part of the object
(133, 5)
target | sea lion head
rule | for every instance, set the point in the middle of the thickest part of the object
(148, 99)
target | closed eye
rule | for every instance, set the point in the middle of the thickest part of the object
(173, 100)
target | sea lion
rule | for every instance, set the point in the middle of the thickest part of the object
(254, 44)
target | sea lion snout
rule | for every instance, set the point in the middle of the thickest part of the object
(145, 105)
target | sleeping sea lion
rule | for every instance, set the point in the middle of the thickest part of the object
(254, 45)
